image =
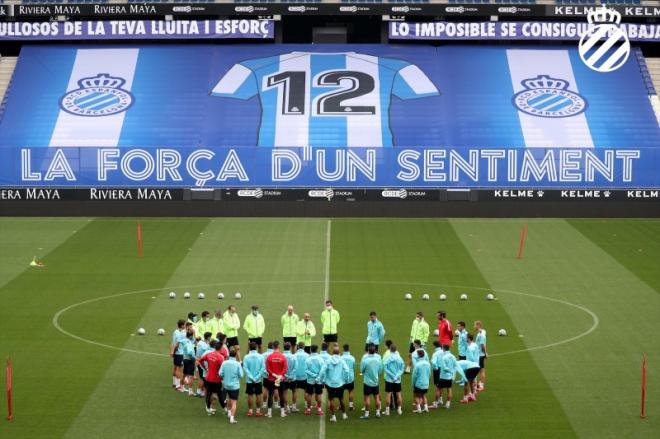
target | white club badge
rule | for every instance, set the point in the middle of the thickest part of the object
(604, 47)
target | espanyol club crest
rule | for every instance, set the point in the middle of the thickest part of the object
(605, 46)
(100, 95)
(548, 97)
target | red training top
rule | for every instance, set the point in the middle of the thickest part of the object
(276, 365)
(213, 360)
(445, 332)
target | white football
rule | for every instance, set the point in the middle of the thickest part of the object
(172, 295)
(463, 296)
(161, 331)
(141, 331)
(490, 297)
(425, 297)
(237, 296)
(436, 333)
(408, 296)
(443, 297)
(502, 332)
(457, 333)
(201, 296)
(186, 295)
(221, 295)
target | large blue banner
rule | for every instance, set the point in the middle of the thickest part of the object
(463, 111)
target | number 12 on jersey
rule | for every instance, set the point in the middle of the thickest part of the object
(341, 85)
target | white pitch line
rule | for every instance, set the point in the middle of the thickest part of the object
(594, 317)
(326, 295)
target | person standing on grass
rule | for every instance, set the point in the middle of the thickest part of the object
(334, 377)
(436, 364)
(393, 366)
(314, 366)
(325, 356)
(371, 367)
(255, 326)
(289, 382)
(276, 367)
(176, 352)
(301, 374)
(445, 334)
(188, 362)
(472, 351)
(470, 371)
(329, 321)
(306, 331)
(211, 362)
(421, 376)
(289, 322)
(204, 325)
(480, 340)
(217, 324)
(232, 324)
(265, 355)
(231, 373)
(375, 332)
(462, 340)
(448, 369)
(419, 331)
(350, 380)
(203, 346)
(254, 367)
(417, 344)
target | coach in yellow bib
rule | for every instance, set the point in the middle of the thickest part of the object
(329, 320)
(290, 327)
(306, 331)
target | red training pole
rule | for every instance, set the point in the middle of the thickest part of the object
(643, 384)
(523, 234)
(10, 414)
(139, 239)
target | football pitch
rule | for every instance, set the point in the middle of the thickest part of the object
(580, 309)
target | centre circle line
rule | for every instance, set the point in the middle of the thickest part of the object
(594, 317)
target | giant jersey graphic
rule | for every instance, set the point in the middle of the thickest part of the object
(325, 99)
(351, 116)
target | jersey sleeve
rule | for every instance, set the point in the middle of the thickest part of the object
(410, 82)
(239, 83)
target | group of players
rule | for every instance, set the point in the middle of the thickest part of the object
(276, 376)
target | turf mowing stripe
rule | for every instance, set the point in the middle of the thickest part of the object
(596, 378)
(373, 265)
(20, 241)
(268, 262)
(54, 374)
(634, 244)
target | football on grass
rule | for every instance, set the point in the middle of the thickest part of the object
(463, 296)
(408, 296)
(200, 296)
(425, 297)
(490, 297)
(141, 331)
(161, 331)
(502, 332)
(237, 296)
(186, 295)
(172, 295)
(443, 297)
(221, 295)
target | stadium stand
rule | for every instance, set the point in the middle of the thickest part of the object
(651, 73)
(7, 66)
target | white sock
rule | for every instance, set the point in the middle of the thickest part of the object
(231, 418)
(377, 412)
(418, 407)
(177, 382)
(440, 401)
(350, 404)
(448, 404)
(270, 411)
(174, 380)
(426, 408)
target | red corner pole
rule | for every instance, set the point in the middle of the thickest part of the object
(643, 385)
(139, 239)
(523, 235)
(10, 414)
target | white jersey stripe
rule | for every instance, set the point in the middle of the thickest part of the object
(232, 80)
(544, 132)
(293, 129)
(417, 80)
(72, 130)
(365, 130)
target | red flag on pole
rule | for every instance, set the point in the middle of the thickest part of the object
(139, 239)
(523, 235)
(10, 414)
(643, 384)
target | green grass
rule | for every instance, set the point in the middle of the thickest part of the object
(589, 387)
